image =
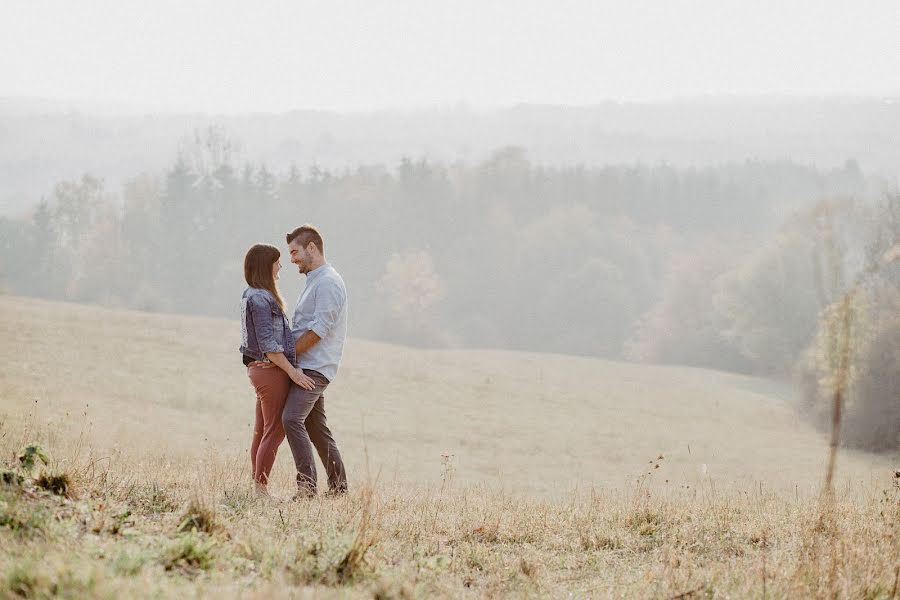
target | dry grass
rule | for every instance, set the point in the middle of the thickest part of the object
(401, 541)
(151, 440)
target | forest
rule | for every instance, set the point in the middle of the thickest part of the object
(737, 267)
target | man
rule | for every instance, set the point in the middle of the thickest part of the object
(320, 327)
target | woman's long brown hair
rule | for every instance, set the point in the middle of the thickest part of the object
(258, 269)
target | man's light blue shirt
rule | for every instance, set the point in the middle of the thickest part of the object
(322, 309)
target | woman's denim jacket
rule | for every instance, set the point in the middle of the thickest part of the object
(264, 326)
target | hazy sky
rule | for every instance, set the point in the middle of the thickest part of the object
(230, 56)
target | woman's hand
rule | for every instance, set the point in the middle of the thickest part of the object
(302, 379)
(296, 375)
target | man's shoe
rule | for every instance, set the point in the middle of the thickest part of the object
(301, 496)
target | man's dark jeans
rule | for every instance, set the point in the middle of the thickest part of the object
(304, 423)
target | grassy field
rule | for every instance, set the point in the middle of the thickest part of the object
(473, 474)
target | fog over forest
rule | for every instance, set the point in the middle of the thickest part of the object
(696, 240)
(712, 184)
(44, 141)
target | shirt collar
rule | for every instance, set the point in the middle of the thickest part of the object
(316, 273)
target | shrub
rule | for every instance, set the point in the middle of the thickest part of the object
(198, 517)
(35, 579)
(56, 483)
(871, 419)
(22, 581)
(873, 416)
(9, 477)
(188, 552)
(30, 455)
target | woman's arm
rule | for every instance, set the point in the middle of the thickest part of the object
(296, 375)
(261, 312)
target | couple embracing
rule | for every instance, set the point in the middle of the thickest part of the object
(291, 364)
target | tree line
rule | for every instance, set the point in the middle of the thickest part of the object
(734, 267)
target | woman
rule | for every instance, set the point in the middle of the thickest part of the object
(268, 348)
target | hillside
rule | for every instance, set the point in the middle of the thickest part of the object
(490, 475)
(140, 386)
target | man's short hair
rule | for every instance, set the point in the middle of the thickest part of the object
(306, 234)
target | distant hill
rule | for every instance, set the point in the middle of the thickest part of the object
(43, 141)
(143, 385)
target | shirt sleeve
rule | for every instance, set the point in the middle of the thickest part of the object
(330, 300)
(261, 317)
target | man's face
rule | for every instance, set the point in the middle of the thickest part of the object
(300, 256)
